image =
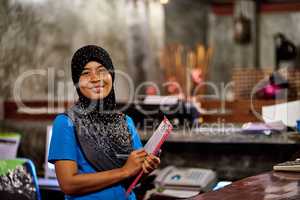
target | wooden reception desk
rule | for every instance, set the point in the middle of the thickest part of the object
(268, 186)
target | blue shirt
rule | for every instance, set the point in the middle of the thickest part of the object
(64, 146)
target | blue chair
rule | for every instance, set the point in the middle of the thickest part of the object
(18, 180)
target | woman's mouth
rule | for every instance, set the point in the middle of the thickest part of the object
(98, 88)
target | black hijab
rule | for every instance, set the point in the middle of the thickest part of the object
(101, 131)
(81, 57)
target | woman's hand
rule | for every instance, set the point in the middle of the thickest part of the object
(151, 162)
(134, 162)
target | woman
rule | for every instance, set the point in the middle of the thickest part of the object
(89, 138)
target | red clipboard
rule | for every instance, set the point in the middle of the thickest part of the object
(166, 127)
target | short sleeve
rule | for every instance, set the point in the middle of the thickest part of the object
(137, 144)
(63, 142)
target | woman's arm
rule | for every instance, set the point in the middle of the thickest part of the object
(73, 183)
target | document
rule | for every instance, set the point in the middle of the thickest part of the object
(153, 145)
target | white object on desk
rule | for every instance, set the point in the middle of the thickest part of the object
(47, 182)
(179, 193)
(292, 166)
(161, 100)
(185, 179)
(214, 129)
(9, 143)
(49, 167)
(257, 126)
(221, 185)
(288, 113)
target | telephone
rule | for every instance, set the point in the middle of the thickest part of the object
(194, 179)
(289, 166)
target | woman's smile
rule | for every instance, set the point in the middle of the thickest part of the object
(98, 88)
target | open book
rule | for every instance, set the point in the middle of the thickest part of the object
(153, 145)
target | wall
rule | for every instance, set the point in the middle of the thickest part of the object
(43, 36)
(272, 23)
(225, 58)
(38, 38)
(220, 38)
(186, 22)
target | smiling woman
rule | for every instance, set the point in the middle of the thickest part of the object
(88, 137)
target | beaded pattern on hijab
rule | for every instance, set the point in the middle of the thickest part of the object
(102, 132)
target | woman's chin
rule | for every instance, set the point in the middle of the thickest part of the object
(97, 96)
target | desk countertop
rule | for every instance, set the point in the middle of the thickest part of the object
(268, 186)
(194, 136)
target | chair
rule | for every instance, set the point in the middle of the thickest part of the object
(18, 180)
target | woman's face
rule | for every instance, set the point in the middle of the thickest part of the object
(95, 81)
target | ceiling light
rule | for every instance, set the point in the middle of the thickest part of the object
(164, 1)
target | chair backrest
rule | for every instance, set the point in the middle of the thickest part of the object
(18, 180)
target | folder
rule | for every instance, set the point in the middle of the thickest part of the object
(153, 145)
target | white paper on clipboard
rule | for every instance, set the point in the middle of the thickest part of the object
(153, 145)
(158, 137)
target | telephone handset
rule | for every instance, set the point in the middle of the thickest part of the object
(290, 166)
(186, 178)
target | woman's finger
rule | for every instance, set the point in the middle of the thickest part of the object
(148, 167)
(144, 154)
(144, 169)
(155, 161)
(141, 151)
(150, 161)
(140, 160)
(141, 154)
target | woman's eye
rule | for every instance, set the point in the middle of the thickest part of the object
(102, 71)
(84, 73)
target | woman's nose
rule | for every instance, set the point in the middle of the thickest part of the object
(94, 77)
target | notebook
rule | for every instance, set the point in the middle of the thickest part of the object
(153, 145)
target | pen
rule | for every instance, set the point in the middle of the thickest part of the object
(122, 156)
(125, 156)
